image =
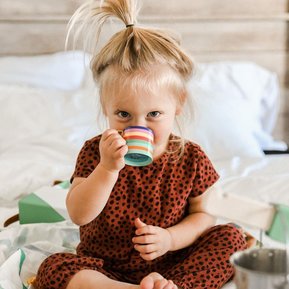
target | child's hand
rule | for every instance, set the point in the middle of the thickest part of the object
(151, 241)
(112, 149)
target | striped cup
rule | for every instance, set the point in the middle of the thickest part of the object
(139, 140)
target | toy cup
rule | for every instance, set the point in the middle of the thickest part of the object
(139, 140)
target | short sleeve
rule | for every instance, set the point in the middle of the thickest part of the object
(88, 158)
(205, 173)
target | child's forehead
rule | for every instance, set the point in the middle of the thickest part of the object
(136, 95)
(119, 86)
(143, 82)
(148, 99)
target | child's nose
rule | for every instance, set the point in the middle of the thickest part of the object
(140, 122)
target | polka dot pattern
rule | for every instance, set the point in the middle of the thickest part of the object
(157, 194)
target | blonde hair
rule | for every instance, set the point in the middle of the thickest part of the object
(131, 52)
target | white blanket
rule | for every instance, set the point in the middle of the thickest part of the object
(23, 248)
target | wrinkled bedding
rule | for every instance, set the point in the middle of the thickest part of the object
(23, 247)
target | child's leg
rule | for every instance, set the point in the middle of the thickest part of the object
(87, 279)
(206, 263)
(90, 279)
(69, 271)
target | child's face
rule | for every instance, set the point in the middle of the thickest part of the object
(155, 110)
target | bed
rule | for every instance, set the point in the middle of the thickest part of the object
(49, 107)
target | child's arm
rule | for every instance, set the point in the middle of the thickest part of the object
(154, 241)
(88, 196)
(191, 228)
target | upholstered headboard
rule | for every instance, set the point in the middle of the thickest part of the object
(211, 30)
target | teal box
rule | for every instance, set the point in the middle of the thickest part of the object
(280, 225)
(46, 205)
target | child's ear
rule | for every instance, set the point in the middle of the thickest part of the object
(179, 110)
(182, 100)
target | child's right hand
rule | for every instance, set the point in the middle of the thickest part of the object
(112, 149)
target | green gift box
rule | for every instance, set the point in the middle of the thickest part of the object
(279, 229)
(46, 205)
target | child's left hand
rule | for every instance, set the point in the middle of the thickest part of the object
(151, 241)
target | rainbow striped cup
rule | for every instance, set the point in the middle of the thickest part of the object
(139, 140)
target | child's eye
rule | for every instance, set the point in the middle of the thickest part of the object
(123, 114)
(154, 114)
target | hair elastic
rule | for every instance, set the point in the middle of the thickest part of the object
(129, 25)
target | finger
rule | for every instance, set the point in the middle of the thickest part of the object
(150, 256)
(148, 229)
(121, 152)
(107, 133)
(108, 139)
(115, 145)
(169, 285)
(138, 223)
(114, 136)
(144, 239)
(116, 142)
(160, 284)
(146, 249)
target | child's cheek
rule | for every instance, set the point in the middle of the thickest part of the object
(160, 138)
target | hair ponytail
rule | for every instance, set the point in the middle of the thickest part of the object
(130, 49)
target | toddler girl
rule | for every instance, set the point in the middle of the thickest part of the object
(140, 227)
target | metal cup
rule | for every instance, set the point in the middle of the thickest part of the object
(260, 268)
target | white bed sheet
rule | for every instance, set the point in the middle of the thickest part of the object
(39, 144)
(264, 179)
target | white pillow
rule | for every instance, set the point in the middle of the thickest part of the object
(30, 113)
(222, 127)
(58, 71)
(236, 105)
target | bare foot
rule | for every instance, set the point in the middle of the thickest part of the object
(156, 281)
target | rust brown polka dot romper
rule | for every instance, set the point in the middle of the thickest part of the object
(158, 194)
